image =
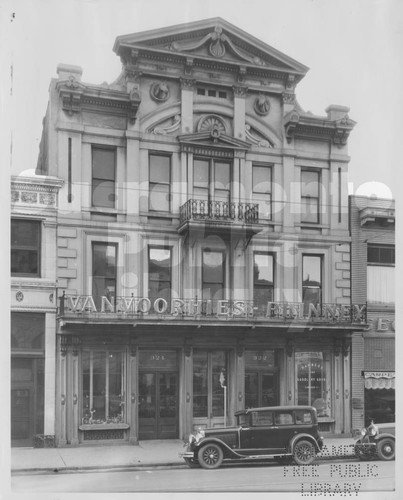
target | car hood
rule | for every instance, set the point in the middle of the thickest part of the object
(217, 431)
(386, 428)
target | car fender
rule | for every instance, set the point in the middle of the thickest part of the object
(226, 449)
(297, 437)
(383, 436)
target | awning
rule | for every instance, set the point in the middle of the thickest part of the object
(379, 380)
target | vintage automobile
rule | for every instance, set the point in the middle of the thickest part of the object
(376, 441)
(282, 433)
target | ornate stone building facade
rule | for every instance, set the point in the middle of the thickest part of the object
(203, 239)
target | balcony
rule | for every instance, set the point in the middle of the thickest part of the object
(219, 216)
(85, 308)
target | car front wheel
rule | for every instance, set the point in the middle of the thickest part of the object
(304, 452)
(192, 463)
(386, 449)
(210, 456)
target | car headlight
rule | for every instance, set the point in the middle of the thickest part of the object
(191, 438)
(363, 431)
(200, 435)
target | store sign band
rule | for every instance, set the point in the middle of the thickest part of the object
(218, 308)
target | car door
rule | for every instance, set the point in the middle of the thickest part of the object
(260, 437)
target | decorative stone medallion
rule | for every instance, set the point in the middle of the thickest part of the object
(19, 296)
(159, 91)
(210, 122)
(261, 105)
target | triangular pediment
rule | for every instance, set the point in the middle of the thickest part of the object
(213, 138)
(211, 39)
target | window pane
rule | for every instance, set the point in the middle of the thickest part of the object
(251, 390)
(310, 183)
(261, 179)
(160, 169)
(312, 381)
(27, 330)
(159, 197)
(104, 260)
(263, 269)
(115, 410)
(147, 403)
(103, 164)
(98, 385)
(25, 247)
(25, 233)
(219, 369)
(201, 173)
(311, 266)
(200, 386)
(310, 210)
(159, 269)
(103, 193)
(222, 175)
(381, 284)
(213, 267)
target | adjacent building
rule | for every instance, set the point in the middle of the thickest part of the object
(33, 306)
(372, 223)
(203, 244)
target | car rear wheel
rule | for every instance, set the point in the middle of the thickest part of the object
(210, 456)
(304, 452)
(192, 463)
(386, 449)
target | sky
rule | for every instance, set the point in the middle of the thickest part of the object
(353, 48)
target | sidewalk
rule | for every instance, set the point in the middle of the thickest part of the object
(163, 453)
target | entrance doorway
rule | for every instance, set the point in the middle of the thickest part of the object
(260, 389)
(27, 400)
(158, 405)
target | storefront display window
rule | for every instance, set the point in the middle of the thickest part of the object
(103, 398)
(313, 381)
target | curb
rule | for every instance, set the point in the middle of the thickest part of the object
(93, 468)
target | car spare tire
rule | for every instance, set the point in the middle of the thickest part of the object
(386, 449)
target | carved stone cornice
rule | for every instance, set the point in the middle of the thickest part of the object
(240, 90)
(317, 127)
(76, 97)
(132, 73)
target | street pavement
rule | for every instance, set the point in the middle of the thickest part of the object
(153, 453)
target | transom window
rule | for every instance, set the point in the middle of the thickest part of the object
(25, 247)
(310, 183)
(103, 177)
(160, 182)
(262, 182)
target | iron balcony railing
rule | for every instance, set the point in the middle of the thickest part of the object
(87, 306)
(219, 211)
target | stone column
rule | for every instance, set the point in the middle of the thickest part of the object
(132, 396)
(50, 373)
(187, 85)
(240, 93)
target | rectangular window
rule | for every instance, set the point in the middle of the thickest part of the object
(381, 274)
(212, 187)
(312, 279)
(310, 183)
(381, 254)
(103, 387)
(25, 247)
(213, 275)
(313, 381)
(104, 272)
(160, 183)
(103, 177)
(159, 274)
(263, 280)
(261, 187)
